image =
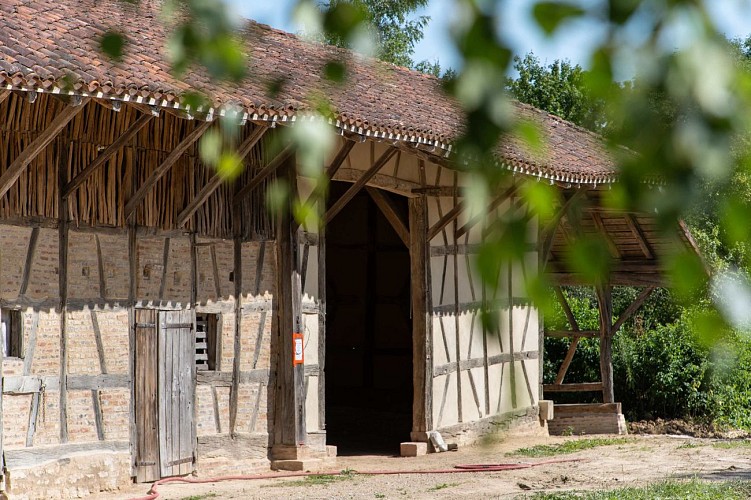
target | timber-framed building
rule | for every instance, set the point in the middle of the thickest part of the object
(148, 307)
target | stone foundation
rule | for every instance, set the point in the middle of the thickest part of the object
(577, 419)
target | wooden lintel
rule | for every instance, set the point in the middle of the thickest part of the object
(265, 172)
(600, 225)
(584, 387)
(445, 220)
(162, 169)
(641, 238)
(216, 180)
(631, 309)
(14, 171)
(493, 205)
(359, 184)
(389, 211)
(105, 155)
(564, 334)
(339, 158)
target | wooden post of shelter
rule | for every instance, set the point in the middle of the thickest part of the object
(605, 305)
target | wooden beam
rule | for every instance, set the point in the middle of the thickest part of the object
(631, 309)
(641, 238)
(265, 172)
(14, 171)
(567, 360)
(105, 155)
(626, 278)
(4, 94)
(600, 225)
(339, 158)
(584, 387)
(605, 305)
(445, 220)
(567, 310)
(359, 184)
(493, 205)
(389, 211)
(162, 169)
(552, 226)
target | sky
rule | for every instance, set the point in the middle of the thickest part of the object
(573, 42)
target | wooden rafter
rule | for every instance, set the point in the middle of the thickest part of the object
(641, 238)
(4, 94)
(631, 309)
(162, 169)
(600, 225)
(359, 184)
(339, 158)
(14, 171)
(216, 180)
(389, 211)
(105, 155)
(265, 172)
(493, 205)
(552, 227)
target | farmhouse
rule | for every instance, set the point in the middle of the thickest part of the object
(159, 321)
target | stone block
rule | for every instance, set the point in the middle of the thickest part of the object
(413, 449)
(546, 409)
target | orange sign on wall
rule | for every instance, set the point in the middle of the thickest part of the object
(298, 355)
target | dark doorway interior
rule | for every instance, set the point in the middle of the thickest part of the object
(368, 329)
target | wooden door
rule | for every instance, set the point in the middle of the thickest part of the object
(145, 396)
(176, 393)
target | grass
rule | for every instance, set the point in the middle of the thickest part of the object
(667, 490)
(732, 445)
(688, 446)
(316, 479)
(442, 486)
(547, 450)
(199, 497)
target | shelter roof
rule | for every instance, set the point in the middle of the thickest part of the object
(53, 46)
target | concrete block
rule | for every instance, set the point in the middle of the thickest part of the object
(546, 409)
(413, 449)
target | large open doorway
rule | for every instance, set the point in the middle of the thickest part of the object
(368, 328)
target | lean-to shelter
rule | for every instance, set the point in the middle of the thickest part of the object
(158, 320)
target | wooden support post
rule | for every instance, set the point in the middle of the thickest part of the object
(62, 178)
(289, 397)
(322, 322)
(359, 184)
(422, 360)
(105, 155)
(14, 171)
(605, 304)
(158, 173)
(237, 348)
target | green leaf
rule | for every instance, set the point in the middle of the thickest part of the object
(334, 71)
(113, 45)
(550, 15)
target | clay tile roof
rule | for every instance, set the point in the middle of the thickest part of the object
(48, 44)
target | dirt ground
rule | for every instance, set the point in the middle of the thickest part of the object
(643, 459)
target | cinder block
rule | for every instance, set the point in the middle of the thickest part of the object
(546, 409)
(413, 449)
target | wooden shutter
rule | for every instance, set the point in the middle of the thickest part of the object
(147, 427)
(176, 394)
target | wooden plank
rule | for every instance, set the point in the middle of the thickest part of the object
(215, 272)
(422, 364)
(31, 251)
(605, 306)
(108, 153)
(359, 184)
(389, 211)
(584, 387)
(158, 173)
(563, 334)
(97, 382)
(4, 94)
(600, 225)
(279, 160)
(28, 360)
(632, 308)
(339, 158)
(216, 180)
(457, 327)
(145, 396)
(15, 169)
(562, 410)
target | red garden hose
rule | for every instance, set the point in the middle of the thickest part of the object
(153, 494)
